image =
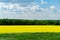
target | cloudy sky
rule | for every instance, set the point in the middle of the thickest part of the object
(30, 9)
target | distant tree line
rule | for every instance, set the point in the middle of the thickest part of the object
(28, 22)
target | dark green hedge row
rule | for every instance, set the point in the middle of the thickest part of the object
(28, 22)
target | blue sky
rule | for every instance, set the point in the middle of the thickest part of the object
(30, 9)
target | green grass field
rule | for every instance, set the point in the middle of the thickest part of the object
(30, 36)
(28, 22)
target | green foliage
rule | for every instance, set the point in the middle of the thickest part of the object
(30, 36)
(28, 22)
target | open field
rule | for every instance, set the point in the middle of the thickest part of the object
(28, 22)
(30, 36)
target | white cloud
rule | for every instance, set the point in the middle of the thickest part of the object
(35, 7)
(16, 11)
(5, 5)
(43, 2)
(2, 5)
(42, 9)
(10, 6)
(17, 7)
(52, 7)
